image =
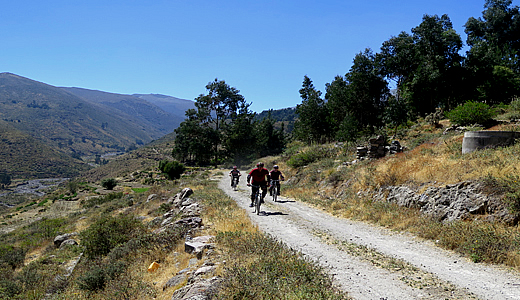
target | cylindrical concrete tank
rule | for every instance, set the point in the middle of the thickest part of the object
(474, 140)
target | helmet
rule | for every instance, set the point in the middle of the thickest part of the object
(275, 166)
(234, 167)
(260, 164)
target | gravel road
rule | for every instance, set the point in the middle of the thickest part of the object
(374, 263)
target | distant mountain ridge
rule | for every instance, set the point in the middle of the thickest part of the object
(63, 124)
(148, 112)
(173, 105)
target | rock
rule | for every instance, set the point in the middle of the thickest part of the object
(167, 221)
(151, 197)
(61, 238)
(175, 281)
(191, 210)
(197, 245)
(199, 290)
(193, 222)
(451, 202)
(68, 242)
(204, 270)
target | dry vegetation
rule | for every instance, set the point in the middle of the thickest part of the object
(34, 268)
(434, 160)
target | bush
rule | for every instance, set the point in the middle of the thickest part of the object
(13, 257)
(96, 278)
(93, 280)
(173, 169)
(309, 156)
(109, 183)
(109, 232)
(471, 113)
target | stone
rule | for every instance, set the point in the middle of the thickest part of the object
(61, 238)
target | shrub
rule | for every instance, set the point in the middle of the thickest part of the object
(91, 202)
(93, 280)
(309, 156)
(472, 113)
(14, 257)
(173, 169)
(109, 183)
(109, 232)
(96, 278)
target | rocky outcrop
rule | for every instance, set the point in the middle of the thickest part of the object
(451, 202)
(58, 240)
(192, 283)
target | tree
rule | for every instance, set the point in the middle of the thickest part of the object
(239, 138)
(222, 101)
(271, 141)
(109, 183)
(397, 60)
(196, 142)
(495, 48)
(367, 91)
(5, 180)
(173, 169)
(336, 94)
(312, 125)
(436, 80)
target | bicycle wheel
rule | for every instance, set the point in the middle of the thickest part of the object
(234, 184)
(275, 193)
(258, 202)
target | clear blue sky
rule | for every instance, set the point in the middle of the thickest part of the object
(262, 48)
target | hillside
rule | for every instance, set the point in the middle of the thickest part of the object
(23, 156)
(67, 122)
(325, 204)
(141, 108)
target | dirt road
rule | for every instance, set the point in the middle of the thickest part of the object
(373, 263)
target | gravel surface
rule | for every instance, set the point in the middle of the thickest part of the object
(370, 262)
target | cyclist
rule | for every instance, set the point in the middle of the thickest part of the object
(234, 173)
(260, 178)
(275, 175)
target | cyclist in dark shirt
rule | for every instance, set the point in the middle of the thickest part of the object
(275, 175)
(259, 177)
(234, 173)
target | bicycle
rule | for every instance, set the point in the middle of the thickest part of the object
(234, 183)
(257, 197)
(274, 191)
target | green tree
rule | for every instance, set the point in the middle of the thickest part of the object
(5, 180)
(239, 139)
(436, 79)
(397, 61)
(270, 141)
(494, 54)
(109, 183)
(195, 141)
(367, 91)
(221, 101)
(201, 137)
(312, 125)
(173, 169)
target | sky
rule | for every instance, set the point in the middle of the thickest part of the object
(175, 48)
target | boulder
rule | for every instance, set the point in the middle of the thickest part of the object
(61, 238)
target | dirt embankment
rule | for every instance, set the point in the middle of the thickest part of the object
(373, 263)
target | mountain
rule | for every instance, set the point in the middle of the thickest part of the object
(174, 106)
(23, 156)
(146, 111)
(67, 122)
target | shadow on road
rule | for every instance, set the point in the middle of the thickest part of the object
(276, 213)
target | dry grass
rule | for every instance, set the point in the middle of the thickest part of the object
(437, 161)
